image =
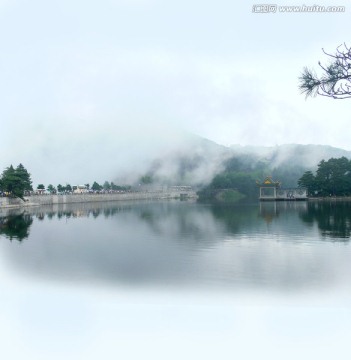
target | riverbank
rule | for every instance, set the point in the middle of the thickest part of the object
(330, 198)
(37, 200)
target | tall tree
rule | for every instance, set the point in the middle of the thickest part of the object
(333, 177)
(51, 189)
(13, 183)
(308, 181)
(336, 79)
(96, 186)
(106, 185)
(24, 175)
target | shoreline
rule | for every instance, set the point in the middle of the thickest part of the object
(330, 198)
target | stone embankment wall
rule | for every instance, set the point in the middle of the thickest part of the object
(9, 202)
(85, 198)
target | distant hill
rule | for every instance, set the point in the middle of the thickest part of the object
(287, 163)
(192, 161)
(196, 161)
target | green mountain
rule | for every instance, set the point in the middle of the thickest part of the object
(197, 161)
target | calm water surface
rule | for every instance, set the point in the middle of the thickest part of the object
(113, 279)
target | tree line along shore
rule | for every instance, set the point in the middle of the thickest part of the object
(332, 178)
(16, 182)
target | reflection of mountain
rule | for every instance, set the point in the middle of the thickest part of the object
(333, 218)
(16, 226)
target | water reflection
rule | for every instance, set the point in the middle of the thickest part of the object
(333, 219)
(172, 243)
(196, 222)
(67, 211)
(272, 209)
(15, 226)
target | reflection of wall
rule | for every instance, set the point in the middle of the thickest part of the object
(272, 209)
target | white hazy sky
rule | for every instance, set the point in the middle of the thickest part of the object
(88, 88)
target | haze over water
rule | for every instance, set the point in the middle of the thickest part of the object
(175, 280)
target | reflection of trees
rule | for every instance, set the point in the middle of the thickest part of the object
(235, 217)
(76, 211)
(333, 218)
(16, 226)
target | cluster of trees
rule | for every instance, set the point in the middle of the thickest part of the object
(240, 175)
(95, 187)
(107, 186)
(15, 181)
(332, 178)
(242, 172)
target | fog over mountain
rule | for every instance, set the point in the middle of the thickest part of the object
(294, 154)
(167, 154)
(198, 160)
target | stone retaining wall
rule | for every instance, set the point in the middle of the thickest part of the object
(83, 198)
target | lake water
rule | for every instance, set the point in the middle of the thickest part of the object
(176, 280)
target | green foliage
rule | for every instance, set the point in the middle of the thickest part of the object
(41, 187)
(51, 189)
(145, 180)
(120, 187)
(15, 181)
(234, 180)
(106, 186)
(96, 186)
(308, 181)
(22, 172)
(333, 178)
(16, 226)
(229, 185)
(238, 180)
(60, 188)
